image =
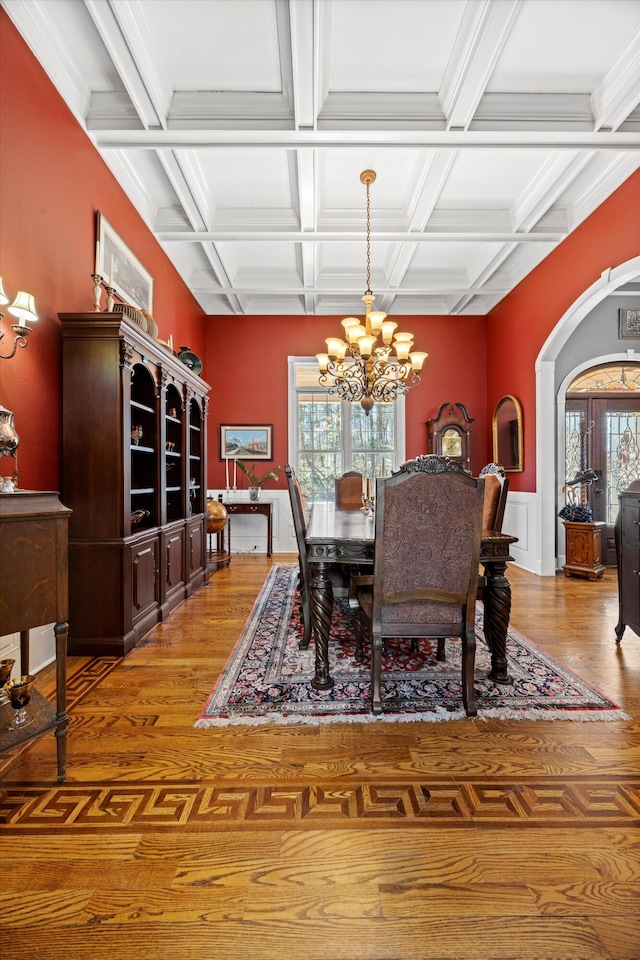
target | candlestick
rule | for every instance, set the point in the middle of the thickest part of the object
(110, 300)
(235, 466)
(226, 464)
(97, 291)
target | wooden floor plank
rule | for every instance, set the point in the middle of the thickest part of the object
(492, 840)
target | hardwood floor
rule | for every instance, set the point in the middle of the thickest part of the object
(483, 840)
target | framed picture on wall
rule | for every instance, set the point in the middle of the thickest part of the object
(246, 441)
(120, 269)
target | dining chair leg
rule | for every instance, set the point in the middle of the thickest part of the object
(305, 611)
(468, 665)
(376, 674)
(440, 653)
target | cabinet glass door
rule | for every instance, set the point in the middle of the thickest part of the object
(143, 453)
(174, 459)
(196, 479)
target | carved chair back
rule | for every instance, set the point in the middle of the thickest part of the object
(348, 490)
(496, 488)
(427, 548)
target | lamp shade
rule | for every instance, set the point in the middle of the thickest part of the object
(24, 308)
(3, 297)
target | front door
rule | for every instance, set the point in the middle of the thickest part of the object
(603, 433)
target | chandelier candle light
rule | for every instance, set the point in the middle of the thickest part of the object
(375, 364)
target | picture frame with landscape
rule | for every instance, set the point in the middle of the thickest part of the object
(246, 441)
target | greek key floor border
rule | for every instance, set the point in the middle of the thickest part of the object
(199, 805)
(194, 806)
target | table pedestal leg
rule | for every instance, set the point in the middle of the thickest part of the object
(497, 608)
(321, 611)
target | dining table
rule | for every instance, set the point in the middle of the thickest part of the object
(348, 537)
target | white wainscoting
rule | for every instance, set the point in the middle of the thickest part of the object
(520, 520)
(42, 648)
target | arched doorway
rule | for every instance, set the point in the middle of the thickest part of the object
(550, 417)
(602, 434)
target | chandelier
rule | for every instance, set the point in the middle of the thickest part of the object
(374, 364)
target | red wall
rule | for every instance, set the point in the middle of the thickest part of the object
(249, 356)
(52, 181)
(518, 326)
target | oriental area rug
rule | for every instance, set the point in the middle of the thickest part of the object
(267, 678)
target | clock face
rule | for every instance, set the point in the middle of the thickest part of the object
(451, 444)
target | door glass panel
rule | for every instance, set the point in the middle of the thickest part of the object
(623, 456)
(574, 451)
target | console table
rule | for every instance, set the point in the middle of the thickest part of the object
(34, 577)
(265, 508)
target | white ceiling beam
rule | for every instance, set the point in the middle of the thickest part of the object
(483, 32)
(36, 21)
(317, 236)
(447, 290)
(430, 179)
(188, 187)
(548, 183)
(118, 28)
(339, 139)
(303, 66)
(618, 94)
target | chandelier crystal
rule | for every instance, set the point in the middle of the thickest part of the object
(374, 363)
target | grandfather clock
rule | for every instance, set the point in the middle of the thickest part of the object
(449, 434)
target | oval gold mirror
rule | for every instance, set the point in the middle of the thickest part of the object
(507, 434)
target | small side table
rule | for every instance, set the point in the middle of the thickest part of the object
(584, 549)
(252, 507)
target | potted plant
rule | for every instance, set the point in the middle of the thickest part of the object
(255, 481)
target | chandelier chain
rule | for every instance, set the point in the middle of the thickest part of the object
(375, 364)
(368, 290)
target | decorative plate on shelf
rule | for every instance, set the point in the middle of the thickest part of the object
(191, 360)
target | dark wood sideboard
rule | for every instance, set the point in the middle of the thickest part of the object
(33, 575)
(627, 534)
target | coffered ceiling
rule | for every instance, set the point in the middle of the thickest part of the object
(239, 129)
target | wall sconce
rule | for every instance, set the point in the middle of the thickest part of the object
(24, 308)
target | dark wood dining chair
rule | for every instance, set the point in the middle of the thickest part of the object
(427, 548)
(299, 511)
(496, 488)
(348, 489)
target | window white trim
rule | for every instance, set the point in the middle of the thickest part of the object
(400, 433)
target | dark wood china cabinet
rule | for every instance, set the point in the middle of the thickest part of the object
(134, 474)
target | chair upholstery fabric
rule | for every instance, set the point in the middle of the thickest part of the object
(348, 490)
(427, 548)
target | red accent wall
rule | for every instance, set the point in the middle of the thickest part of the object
(52, 181)
(250, 385)
(519, 325)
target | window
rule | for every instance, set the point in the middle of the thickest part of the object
(328, 436)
